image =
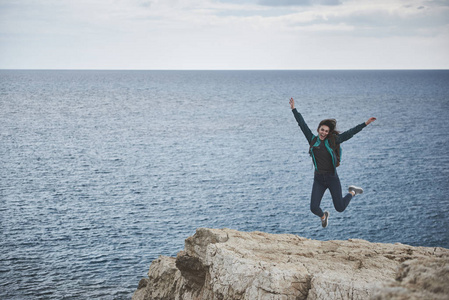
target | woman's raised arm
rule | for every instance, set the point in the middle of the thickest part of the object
(302, 124)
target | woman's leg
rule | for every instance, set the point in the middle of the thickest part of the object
(318, 190)
(340, 202)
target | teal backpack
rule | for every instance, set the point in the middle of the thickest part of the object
(335, 147)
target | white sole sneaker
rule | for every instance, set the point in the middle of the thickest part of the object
(326, 219)
(356, 190)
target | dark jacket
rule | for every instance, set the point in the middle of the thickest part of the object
(340, 138)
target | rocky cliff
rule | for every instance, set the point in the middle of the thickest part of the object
(228, 264)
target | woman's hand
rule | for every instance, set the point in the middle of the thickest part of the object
(372, 119)
(292, 103)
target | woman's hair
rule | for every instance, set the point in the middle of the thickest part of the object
(332, 124)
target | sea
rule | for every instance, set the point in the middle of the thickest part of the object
(103, 171)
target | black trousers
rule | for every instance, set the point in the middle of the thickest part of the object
(321, 183)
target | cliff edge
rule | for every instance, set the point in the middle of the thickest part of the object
(229, 264)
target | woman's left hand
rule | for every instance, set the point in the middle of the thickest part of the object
(372, 119)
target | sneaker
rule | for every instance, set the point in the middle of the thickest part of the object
(356, 190)
(324, 221)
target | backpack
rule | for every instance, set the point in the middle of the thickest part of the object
(335, 147)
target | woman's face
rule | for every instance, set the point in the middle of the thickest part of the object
(323, 131)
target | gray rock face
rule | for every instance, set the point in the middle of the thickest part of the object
(228, 264)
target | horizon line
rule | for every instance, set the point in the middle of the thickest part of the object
(92, 69)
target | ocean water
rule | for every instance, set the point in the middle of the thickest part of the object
(103, 171)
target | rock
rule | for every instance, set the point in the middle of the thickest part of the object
(416, 279)
(228, 264)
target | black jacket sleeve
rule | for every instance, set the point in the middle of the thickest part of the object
(342, 137)
(302, 124)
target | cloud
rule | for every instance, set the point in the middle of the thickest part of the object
(298, 2)
(217, 33)
(287, 3)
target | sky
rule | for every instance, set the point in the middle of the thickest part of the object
(224, 34)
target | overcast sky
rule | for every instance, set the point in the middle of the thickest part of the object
(224, 34)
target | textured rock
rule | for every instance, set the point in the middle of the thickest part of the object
(228, 264)
(416, 279)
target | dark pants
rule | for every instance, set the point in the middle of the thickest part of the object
(321, 182)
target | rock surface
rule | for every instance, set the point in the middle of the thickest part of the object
(228, 264)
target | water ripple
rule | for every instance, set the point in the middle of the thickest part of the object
(102, 172)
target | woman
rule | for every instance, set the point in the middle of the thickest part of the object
(324, 149)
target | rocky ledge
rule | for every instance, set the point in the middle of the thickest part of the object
(228, 264)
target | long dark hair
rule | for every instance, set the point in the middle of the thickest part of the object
(332, 124)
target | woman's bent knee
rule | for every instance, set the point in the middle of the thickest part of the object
(339, 209)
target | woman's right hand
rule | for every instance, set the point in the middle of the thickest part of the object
(370, 120)
(292, 103)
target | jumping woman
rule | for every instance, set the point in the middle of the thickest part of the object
(324, 149)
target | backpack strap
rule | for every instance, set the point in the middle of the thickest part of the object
(332, 143)
(312, 143)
